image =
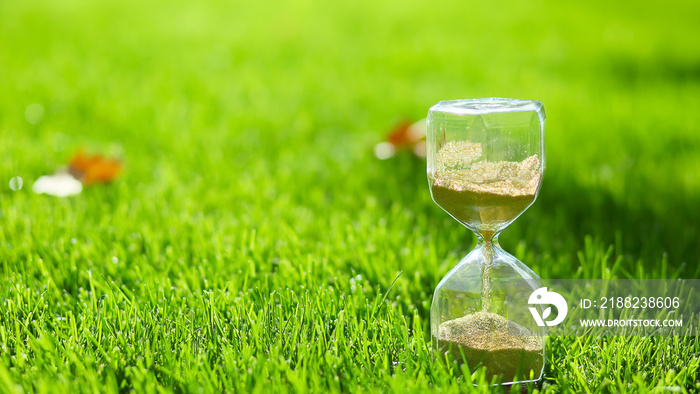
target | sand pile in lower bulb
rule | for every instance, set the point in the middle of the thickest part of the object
(504, 347)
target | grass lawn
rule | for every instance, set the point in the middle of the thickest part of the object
(253, 237)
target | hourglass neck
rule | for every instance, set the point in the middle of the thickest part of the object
(487, 238)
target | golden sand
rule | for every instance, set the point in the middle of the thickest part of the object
(502, 346)
(480, 193)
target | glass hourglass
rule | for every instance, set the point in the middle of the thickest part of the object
(485, 165)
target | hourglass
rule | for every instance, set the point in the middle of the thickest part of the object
(485, 164)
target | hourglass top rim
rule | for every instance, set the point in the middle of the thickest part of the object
(489, 105)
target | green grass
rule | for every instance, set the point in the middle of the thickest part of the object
(252, 240)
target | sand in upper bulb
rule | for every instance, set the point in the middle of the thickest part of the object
(481, 194)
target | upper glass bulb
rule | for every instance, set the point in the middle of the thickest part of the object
(485, 159)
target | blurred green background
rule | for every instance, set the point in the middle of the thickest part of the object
(246, 130)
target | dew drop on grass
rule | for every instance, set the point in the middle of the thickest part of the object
(16, 183)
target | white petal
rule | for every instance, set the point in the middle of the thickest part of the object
(58, 185)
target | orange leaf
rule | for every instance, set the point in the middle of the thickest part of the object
(94, 169)
(405, 135)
